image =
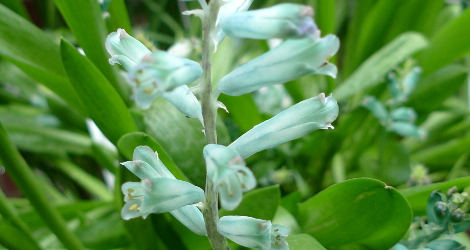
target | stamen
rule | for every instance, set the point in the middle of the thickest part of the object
(278, 243)
(134, 207)
(130, 190)
(276, 230)
(230, 193)
(278, 237)
(242, 185)
(148, 91)
(130, 196)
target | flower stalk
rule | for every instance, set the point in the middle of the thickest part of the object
(209, 109)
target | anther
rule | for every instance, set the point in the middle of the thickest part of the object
(278, 243)
(134, 207)
(278, 237)
(148, 91)
(230, 193)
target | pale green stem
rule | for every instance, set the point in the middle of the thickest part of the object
(209, 109)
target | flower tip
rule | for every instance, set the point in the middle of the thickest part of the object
(307, 11)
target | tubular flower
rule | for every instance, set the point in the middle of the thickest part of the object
(157, 74)
(161, 72)
(290, 60)
(159, 192)
(231, 177)
(286, 20)
(304, 117)
(254, 233)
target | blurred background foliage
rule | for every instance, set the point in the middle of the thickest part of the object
(47, 90)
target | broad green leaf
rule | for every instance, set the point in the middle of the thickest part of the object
(15, 239)
(181, 137)
(372, 71)
(17, 6)
(103, 229)
(374, 29)
(87, 24)
(418, 196)
(27, 182)
(128, 142)
(31, 50)
(439, 85)
(260, 203)
(388, 161)
(119, 17)
(303, 241)
(101, 101)
(417, 15)
(448, 44)
(445, 153)
(34, 131)
(358, 211)
(283, 217)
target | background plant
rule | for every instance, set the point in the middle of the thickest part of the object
(48, 125)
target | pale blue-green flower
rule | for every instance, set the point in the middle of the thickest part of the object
(288, 61)
(406, 129)
(129, 52)
(403, 114)
(304, 117)
(230, 7)
(161, 72)
(227, 169)
(254, 233)
(285, 20)
(124, 49)
(159, 192)
(377, 108)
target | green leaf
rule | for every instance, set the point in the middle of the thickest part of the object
(15, 239)
(359, 211)
(181, 137)
(17, 6)
(101, 101)
(445, 153)
(302, 242)
(371, 72)
(118, 17)
(260, 203)
(374, 28)
(87, 24)
(446, 244)
(31, 50)
(440, 84)
(448, 44)
(129, 142)
(26, 180)
(418, 196)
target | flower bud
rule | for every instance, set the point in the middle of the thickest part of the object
(377, 108)
(286, 20)
(304, 117)
(406, 129)
(403, 114)
(254, 233)
(288, 61)
(124, 49)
